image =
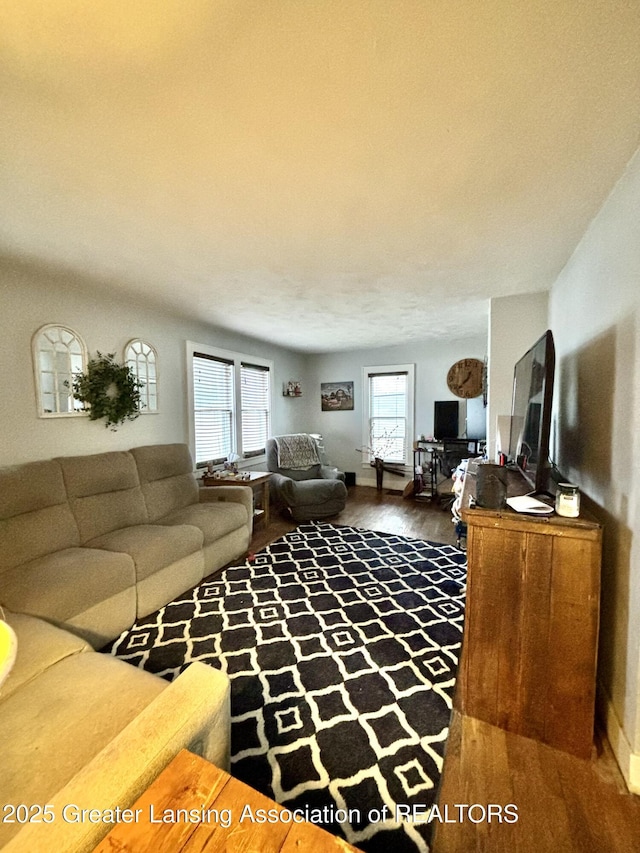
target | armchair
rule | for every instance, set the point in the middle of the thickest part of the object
(300, 481)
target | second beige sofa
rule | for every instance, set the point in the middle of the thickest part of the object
(83, 730)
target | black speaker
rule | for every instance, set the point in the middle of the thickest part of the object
(445, 419)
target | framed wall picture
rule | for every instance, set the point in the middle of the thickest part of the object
(336, 396)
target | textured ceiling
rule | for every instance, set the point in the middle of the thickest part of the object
(327, 175)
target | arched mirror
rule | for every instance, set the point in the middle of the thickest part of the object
(59, 354)
(142, 358)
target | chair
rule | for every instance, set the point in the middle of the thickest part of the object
(300, 482)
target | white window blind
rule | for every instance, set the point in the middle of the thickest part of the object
(229, 403)
(254, 395)
(213, 407)
(388, 406)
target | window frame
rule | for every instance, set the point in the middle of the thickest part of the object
(80, 411)
(237, 359)
(393, 369)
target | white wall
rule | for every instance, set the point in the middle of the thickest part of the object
(594, 315)
(31, 297)
(515, 324)
(343, 430)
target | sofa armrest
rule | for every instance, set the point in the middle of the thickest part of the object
(193, 713)
(277, 480)
(237, 494)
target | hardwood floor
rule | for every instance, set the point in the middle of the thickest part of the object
(564, 804)
(386, 511)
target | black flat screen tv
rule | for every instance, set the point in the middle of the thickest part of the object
(531, 413)
(445, 419)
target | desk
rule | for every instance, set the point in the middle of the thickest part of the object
(258, 481)
(213, 804)
(446, 455)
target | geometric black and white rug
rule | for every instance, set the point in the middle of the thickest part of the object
(342, 647)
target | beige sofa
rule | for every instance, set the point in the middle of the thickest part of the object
(93, 542)
(87, 545)
(82, 730)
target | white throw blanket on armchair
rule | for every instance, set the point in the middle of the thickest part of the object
(298, 451)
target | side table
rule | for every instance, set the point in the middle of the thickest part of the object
(194, 807)
(258, 481)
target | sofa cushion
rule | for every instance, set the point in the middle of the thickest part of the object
(167, 478)
(313, 473)
(32, 486)
(152, 547)
(56, 723)
(159, 461)
(40, 645)
(104, 492)
(35, 518)
(214, 520)
(61, 585)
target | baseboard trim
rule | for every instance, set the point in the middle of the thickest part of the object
(628, 760)
(389, 482)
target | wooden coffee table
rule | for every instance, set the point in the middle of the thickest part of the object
(258, 481)
(194, 806)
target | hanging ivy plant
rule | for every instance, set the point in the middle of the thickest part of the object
(111, 390)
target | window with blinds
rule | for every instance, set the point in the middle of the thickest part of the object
(388, 412)
(213, 407)
(388, 416)
(230, 403)
(254, 395)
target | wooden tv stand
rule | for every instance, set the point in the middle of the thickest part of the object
(529, 651)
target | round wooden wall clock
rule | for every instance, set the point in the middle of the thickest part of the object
(465, 378)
